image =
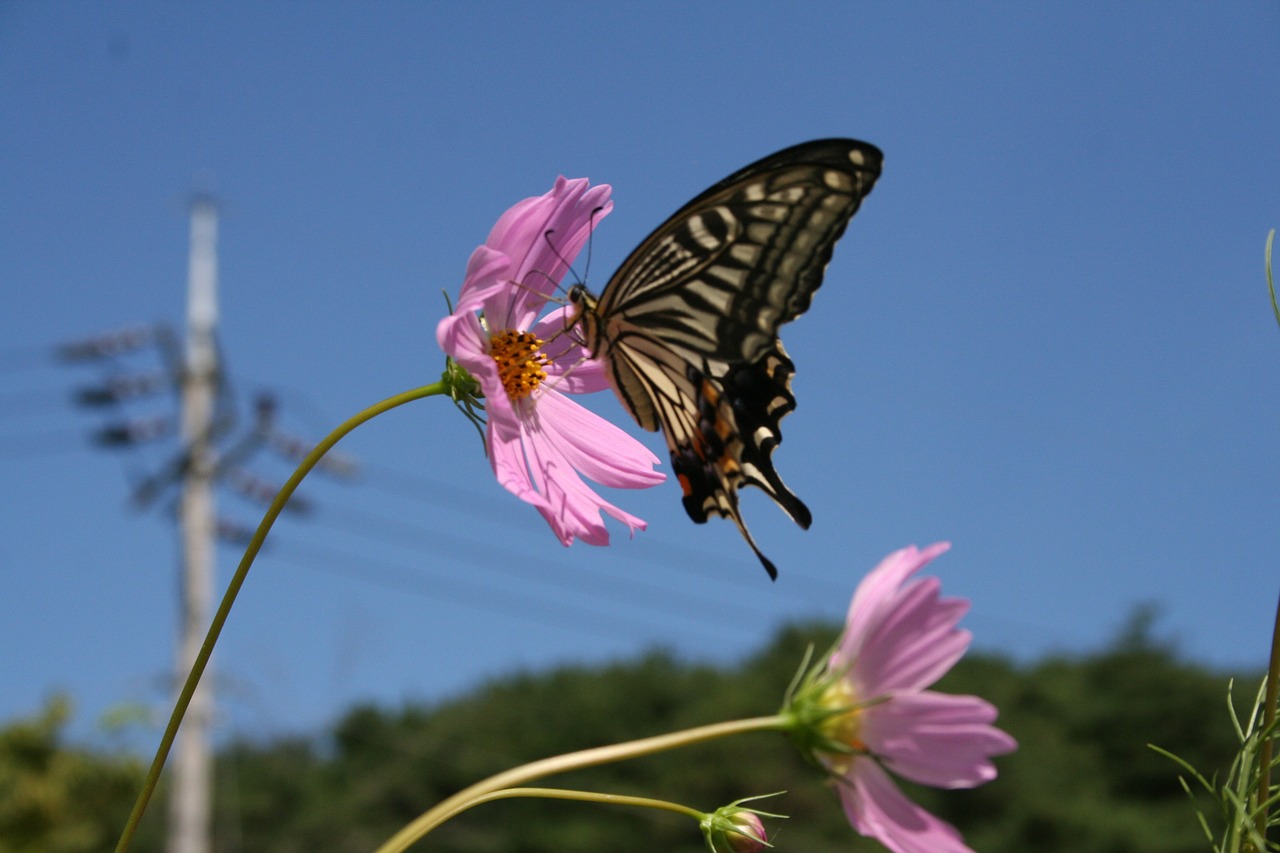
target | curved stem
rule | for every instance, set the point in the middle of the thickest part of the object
(516, 776)
(1272, 692)
(1271, 695)
(1271, 285)
(581, 796)
(233, 589)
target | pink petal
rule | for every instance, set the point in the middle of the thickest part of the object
(936, 739)
(573, 509)
(878, 809)
(542, 235)
(459, 334)
(873, 597)
(568, 503)
(511, 468)
(487, 269)
(915, 644)
(571, 370)
(569, 506)
(900, 635)
(577, 208)
(554, 489)
(596, 447)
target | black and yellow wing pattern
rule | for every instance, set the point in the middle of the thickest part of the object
(688, 325)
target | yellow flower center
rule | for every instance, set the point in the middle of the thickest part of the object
(845, 727)
(520, 361)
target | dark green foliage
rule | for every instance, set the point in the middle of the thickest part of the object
(60, 799)
(1083, 778)
(1082, 781)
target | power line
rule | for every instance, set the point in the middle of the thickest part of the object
(634, 590)
(527, 604)
(804, 585)
(654, 549)
(25, 357)
(40, 444)
(31, 403)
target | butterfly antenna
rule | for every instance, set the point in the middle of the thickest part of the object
(555, 250)
(591, 233)
(591, 230)
(557, 293)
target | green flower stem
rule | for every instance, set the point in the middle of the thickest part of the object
(581, 796)
(1271, 285)
(233, 589)
(1272, 694)
(517, 776)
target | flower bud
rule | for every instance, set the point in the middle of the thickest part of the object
(733, 829)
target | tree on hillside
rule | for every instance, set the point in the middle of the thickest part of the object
(1082, 780)
(56, 798)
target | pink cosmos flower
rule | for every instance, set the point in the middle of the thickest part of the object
(899, 638)
(539, 440)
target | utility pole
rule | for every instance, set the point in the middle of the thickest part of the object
(206, 419)
(190, 813)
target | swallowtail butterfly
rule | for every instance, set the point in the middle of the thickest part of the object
(688, 325)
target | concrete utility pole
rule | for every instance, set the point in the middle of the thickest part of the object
(190, 813)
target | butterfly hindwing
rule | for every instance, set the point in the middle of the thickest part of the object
(721, 423)
(739, 415)
(688, 326)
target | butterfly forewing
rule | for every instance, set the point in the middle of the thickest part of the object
(749, 252)
(689, 324)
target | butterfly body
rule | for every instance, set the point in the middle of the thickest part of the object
(688, 325)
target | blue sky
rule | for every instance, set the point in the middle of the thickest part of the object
(1046, 336)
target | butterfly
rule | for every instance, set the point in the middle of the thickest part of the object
(688, 325)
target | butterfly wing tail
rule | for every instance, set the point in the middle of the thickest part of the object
(739, 409)
(760, 396)
(706, 491)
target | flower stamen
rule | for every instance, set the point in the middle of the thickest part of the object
(520, 361)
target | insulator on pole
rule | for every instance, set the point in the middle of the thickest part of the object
(233, 532)
(134, 431)
(255, 488)
(118, 389)
(295, 448)
(106, 345)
